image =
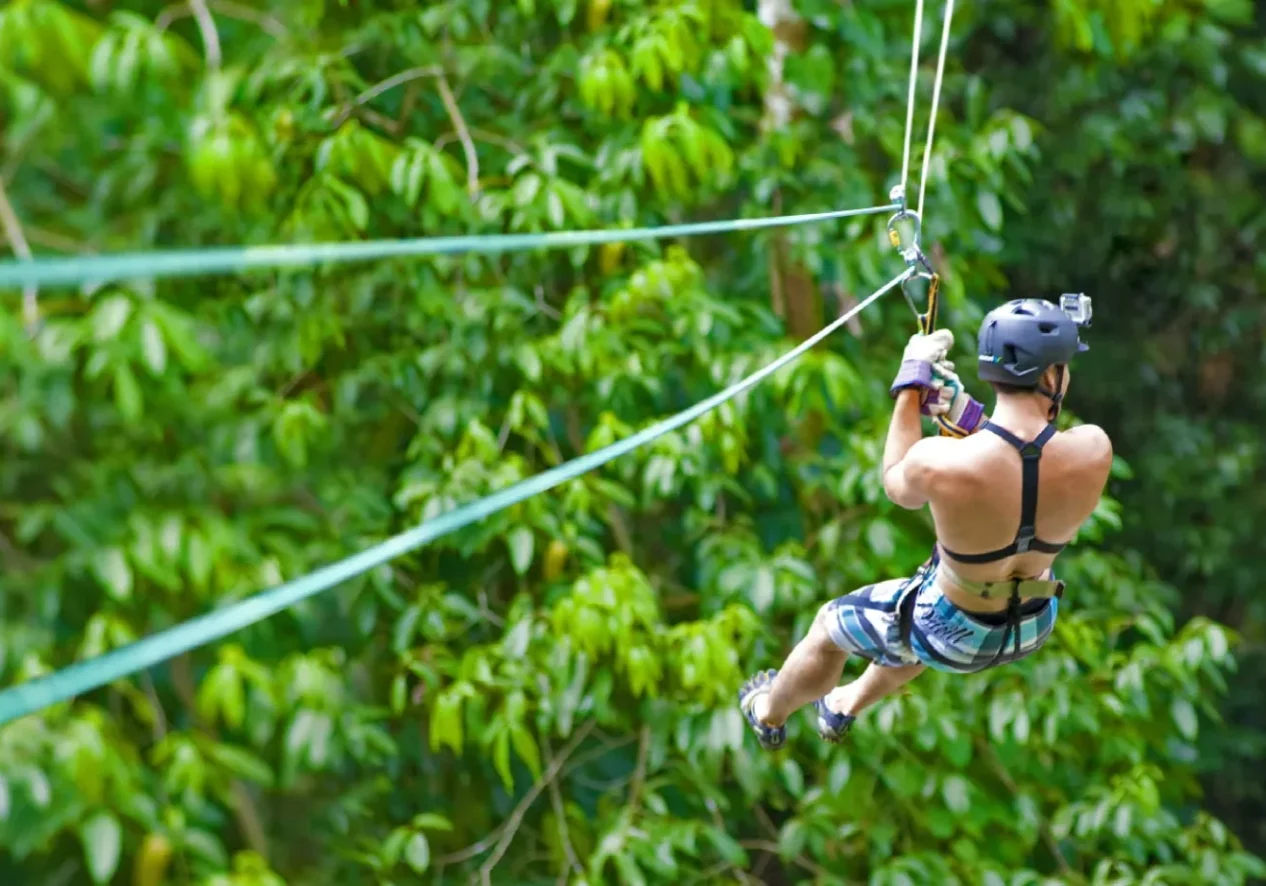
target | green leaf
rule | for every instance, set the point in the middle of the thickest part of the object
(792, 839)
(879, 536)
(110, 317)
(521, 542)
(763, 588)
(153, 347)
(1185, 718)
(102, 838)
(406, 625)
(432, 820)
(630, 873)
(990, 208)
(242, 763)
(115, 574)
(127, 393)
(417, 853)
(957, 793)
(446, 722)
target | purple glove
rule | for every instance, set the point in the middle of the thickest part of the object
(956, 410)
(916, 364)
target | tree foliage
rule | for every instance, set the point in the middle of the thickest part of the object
(549, 695)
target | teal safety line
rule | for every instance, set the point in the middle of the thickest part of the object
(81, 677)
(222, 260)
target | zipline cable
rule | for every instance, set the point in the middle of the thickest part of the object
(914, 77)
(77, 270)
(84, 676)
(912, 251)
(936, 100)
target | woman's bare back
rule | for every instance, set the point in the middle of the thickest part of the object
(975, 498)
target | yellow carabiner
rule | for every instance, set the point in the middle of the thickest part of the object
(927, 324)
(917, 261)
(927, 320)
(928, 316)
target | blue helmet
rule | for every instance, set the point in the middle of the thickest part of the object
(1019, 340)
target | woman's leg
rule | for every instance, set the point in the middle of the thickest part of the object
(812, 668)
(878, 681)
(862, 623)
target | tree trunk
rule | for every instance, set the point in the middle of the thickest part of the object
(794, 295)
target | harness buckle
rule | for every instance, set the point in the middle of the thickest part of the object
(1024, 539)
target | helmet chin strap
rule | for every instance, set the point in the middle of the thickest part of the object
(1057, 396)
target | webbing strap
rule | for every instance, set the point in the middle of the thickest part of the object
(1026, 538)
(1030, 455)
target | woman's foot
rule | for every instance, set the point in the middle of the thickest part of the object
(832, 726)
(771, 738)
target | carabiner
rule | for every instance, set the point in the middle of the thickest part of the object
(927, 318)
(908, 249)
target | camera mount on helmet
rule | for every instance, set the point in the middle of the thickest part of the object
(1078, 307)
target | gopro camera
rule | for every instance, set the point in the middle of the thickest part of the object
(1077, 307)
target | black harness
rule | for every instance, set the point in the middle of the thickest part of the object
(1026, 538)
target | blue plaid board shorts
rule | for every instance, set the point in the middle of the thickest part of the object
(910, 621)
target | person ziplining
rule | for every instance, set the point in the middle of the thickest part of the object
(988, 594)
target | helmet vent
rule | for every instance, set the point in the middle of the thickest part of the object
(1047, 328)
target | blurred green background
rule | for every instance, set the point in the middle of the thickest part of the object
(548, 697)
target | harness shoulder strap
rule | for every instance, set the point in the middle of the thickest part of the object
(1031, 455)
(1026, 538)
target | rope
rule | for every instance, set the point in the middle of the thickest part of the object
(84, 676)
(192, 262)
(914, 76)
(936, 99)
(913, 253)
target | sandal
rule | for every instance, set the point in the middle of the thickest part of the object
(832, 727)
(771, 738)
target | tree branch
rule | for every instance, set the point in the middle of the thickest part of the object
(560, 813)
(22, 250)
(638, 779)
(772, 848)
(500, 838)
(511, 826)
(594, 754)
(450, 106)
(385, 86)
(463, 134)
(210, 36)
(266, 23)
(1043, 828)
(500, 141)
